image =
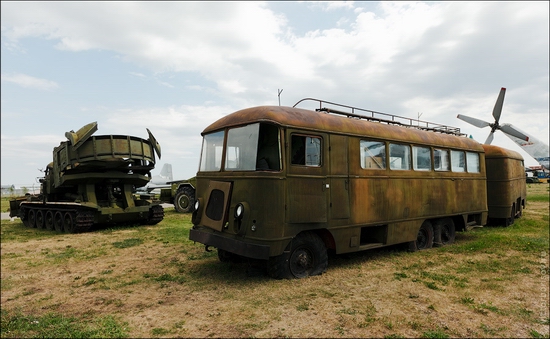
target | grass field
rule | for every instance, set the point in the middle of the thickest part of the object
(151, 281)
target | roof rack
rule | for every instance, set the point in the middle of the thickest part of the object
(384, 118)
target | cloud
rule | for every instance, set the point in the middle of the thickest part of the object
(28, 81)
(403, 46)
(404, 58)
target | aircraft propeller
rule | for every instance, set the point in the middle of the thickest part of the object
(497, 110)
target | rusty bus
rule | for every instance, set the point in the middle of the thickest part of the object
(285, 185)
(506, 184)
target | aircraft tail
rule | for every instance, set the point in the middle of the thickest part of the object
(166, 172)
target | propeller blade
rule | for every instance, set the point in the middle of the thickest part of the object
(498, 105)
(473, 121)
(509, 129)
(489, 139)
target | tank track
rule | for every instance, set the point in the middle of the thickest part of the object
(83, 222)
(156, 214)
(73, 220)
(62, 220)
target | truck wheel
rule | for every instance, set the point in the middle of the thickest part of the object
(424, 238)
(307, 257)
(184, 200)
(444, 232)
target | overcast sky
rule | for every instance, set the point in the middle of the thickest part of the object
(176, 67)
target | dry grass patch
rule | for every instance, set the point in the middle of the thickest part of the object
(154, 282)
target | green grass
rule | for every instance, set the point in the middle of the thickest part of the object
(5, 204)
(485, 259)
(51, 325)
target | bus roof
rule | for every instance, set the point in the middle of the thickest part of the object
(492, 151)
(329, 123)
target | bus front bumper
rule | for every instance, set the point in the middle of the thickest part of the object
(245, 249)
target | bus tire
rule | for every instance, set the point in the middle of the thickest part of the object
(307, 256)
(444, 232)
(510, 221)
(424, 238)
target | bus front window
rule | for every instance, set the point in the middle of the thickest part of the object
(211, 155)
(253, 147)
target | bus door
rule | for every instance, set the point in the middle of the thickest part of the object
(339, 177)
(307, 185)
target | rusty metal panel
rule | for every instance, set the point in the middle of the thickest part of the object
(506, 186)
(307, 199)
(214, 214)
(339, 178)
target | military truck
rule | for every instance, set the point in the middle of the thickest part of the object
(181, 193)
(90, 182)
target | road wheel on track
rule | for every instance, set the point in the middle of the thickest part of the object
(424, 238)
(444, 232)
(58, 221)
(49, 220)
(68, 222)
(184, 200)
(307, 256)
(32, 218)
(39, 219)
(24, 216)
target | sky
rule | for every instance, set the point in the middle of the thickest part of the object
(176, 67)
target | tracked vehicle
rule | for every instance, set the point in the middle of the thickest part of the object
(90, 182)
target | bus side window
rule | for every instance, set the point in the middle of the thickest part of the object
(458, 161)
(472, 162)
(306, 151)
(400, 157)
(269, 154)
(373, 154)
(422, 158)
(441, 160)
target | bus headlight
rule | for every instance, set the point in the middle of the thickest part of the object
(239, 211)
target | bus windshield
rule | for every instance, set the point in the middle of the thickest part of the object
(254, 147)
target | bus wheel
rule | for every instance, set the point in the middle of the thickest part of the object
(307, 256)
(424, 238)
(444, 232)
(509, 221)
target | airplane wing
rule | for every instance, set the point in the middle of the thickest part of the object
(534, 147)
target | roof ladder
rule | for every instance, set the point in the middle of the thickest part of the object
(390, 119)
